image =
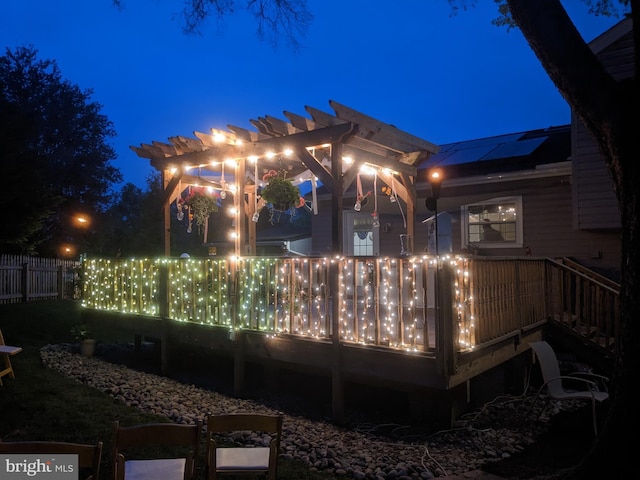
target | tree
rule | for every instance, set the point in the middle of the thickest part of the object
(275, 18)
(132, 224)
(54, 154)
(609, 109)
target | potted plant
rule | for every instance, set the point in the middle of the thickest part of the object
(280, 192)
(201, 205)
(81, 334)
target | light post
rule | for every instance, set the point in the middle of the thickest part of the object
(435, 179)
(82, 222)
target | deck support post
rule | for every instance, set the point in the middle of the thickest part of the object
(238, 364)
(337, 384)
(163, 312)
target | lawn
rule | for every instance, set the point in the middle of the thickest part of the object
(40, 404)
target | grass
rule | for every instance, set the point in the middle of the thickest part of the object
(41, 404)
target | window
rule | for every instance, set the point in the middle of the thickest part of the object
(360, 237)
(494, 223)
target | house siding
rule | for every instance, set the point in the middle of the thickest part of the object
(547, 230)
(547, 211)
(596, 206)
(321, 226)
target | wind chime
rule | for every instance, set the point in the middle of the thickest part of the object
(376, 221)
(223, 184)
(361, 198)
(393, 198)
(182, 206)
(260, 203)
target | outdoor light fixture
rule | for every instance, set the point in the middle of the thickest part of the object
(435, 179)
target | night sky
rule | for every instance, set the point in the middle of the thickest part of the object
(409, 63)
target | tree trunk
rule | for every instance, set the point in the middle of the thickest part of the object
(609, 110)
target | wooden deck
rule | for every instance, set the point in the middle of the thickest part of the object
(429, 327)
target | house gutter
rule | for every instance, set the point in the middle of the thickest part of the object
(547, 170)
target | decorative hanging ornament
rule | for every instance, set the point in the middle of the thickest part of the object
(376, 221)
(392, 197)
(361, 199)
(314, 195)
(180, 214)
(358, 205)
(223, 184)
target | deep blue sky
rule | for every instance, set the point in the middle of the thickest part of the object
(409, 63)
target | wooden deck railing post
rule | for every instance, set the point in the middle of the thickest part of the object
(518, 300)
(446, 337)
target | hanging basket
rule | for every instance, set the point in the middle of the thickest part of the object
(280, 192)
(201, 205)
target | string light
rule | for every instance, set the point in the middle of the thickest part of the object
(381, 300)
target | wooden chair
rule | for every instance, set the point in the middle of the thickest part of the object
(243, 458)
(593, 386)
(7, 351)
(89, 456)
(155, 450)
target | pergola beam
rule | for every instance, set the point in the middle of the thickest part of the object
(393, 152)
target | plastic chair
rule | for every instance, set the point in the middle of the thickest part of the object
(89, 456)
(175, 451)
(553, 380)
(243, 457)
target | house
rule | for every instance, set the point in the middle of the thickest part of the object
(443, 331)
(547, 191)
(520, 184)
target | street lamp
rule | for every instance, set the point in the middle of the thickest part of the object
(82, 222)
(435, 177)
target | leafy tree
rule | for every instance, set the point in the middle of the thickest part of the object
(132, 224)
(274, 18)
(608, 108)
(54, 155)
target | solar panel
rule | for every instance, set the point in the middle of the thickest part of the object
(466, 155)
(515, 149)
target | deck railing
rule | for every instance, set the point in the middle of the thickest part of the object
(508, 296)
(583, 302)
(417, 303)
(379, 301)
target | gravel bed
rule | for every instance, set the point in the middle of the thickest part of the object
(499, 430)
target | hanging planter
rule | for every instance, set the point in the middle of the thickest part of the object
(280, 192)
(201, 206)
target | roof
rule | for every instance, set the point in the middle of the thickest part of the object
(363, 138)
(510, 151)
(615, 33)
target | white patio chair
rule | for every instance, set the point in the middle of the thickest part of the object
(556, 389)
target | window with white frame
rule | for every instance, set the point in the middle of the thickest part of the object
(361, 238)
(494, 223)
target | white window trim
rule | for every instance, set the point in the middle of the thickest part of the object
(464, 215)
(348, 218)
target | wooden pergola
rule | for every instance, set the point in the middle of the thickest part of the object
(315, 147)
